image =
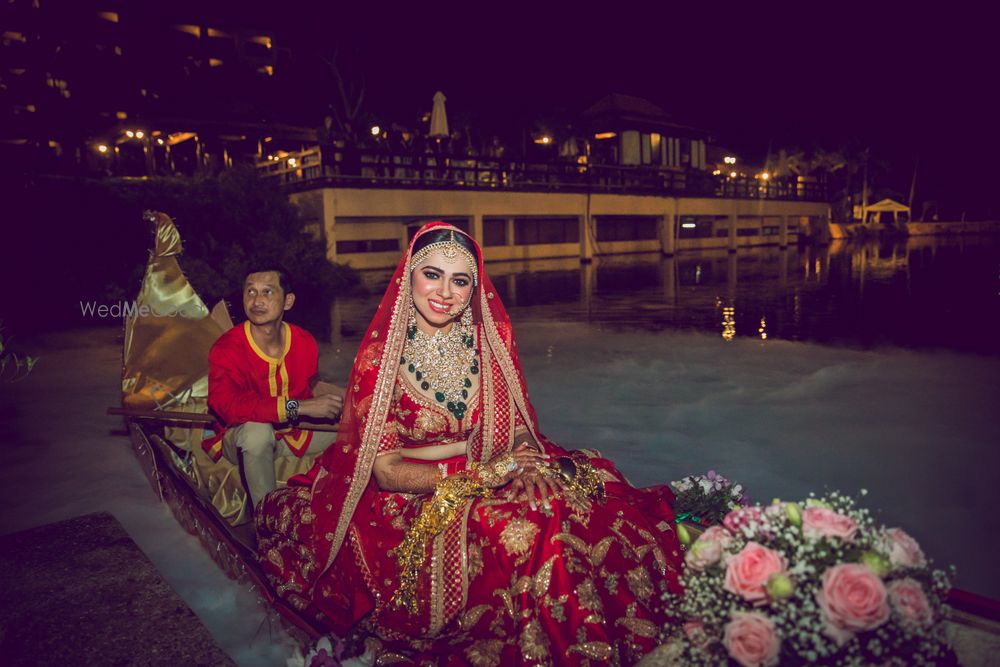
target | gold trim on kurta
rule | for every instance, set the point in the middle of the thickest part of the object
(274, 364)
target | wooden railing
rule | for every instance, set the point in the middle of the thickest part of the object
(364, 168)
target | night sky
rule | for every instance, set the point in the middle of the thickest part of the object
(913, 83)
(909, 82)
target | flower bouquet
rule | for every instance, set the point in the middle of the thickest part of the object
(704, 500)
(816, 582)
(329, 652)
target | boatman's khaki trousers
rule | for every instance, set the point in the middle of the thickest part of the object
(260, 448)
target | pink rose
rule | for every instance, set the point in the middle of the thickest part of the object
(741, 517)
(903, 550)
(822, 522)
(703, 554)
(748, 571)
(853, 599)
(707, 549)
(695, 632)
(717, 534)
(908, 599)
(751, 639)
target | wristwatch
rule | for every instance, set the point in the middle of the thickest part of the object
(292, 410)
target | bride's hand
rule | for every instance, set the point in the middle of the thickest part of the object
(531, 484)
(528, 457)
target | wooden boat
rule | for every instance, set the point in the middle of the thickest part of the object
(164, 390)
(164, 403)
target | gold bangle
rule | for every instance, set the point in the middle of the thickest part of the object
(495, 472)
(577, 473)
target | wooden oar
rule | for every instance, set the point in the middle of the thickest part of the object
(199, 418)
(163, 415)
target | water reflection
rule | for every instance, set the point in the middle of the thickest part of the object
(918, 292)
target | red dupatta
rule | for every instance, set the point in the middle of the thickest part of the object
(343, 473)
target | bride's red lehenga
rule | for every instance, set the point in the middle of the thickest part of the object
(501, 585)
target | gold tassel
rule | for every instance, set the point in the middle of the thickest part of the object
(449, 497)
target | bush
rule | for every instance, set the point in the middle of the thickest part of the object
(92, 241)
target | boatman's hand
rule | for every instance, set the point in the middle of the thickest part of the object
(327, 406)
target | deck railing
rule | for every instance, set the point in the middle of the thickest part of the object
(363, 168)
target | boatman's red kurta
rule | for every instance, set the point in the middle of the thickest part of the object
(247, 385)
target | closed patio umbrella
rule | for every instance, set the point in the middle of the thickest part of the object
(439, 117)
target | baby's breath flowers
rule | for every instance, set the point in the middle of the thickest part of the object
(816, 581)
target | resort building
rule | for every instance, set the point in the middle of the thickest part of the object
(637, 182)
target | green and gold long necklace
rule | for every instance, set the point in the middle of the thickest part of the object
(443, 363)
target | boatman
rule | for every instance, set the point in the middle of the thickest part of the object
(262, 380)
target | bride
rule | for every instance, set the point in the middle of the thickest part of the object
(444, 520)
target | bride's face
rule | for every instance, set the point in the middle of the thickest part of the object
(442, 288)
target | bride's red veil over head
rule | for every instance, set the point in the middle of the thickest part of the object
(342, 475)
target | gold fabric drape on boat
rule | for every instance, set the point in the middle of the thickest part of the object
(168, 334)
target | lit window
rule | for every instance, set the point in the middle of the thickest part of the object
(109, 16)
(266, 69)
(212, 32)
(189, 29)
(214, 62)
(263, 40)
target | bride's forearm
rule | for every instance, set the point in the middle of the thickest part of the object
(394, 474)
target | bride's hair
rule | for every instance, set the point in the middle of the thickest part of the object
(445, 235)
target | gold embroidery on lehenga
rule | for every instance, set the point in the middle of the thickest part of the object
(518, 537)
(610, 581)
(274, 555)
(387, 658)
(469, 619)
(534, 644)
(508, 601)
(586, 593)
(639, 626)
(600, 550)
(578, 548)
(522, 586)
(474, 554)
(573, 541)
(544, 577)
(557, 606)
(307, 516)
(640, 583)
(485, 653)
(593, 650)
(437, 584)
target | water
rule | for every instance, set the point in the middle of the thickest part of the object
(805, 369)
(917, 293)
